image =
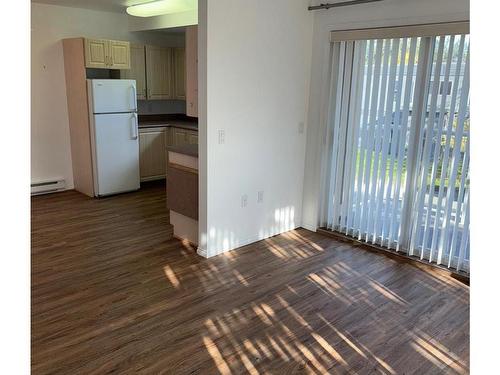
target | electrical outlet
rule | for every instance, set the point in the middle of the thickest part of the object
(301, 127)
(244, 200)
(260, 196)
(222, 136)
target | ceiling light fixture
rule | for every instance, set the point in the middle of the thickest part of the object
(161, 7)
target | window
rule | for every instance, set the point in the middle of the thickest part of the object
(397, 160)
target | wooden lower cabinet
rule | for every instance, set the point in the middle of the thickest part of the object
(180, 136)
(153, 144)
(193, 137)
(152, 153)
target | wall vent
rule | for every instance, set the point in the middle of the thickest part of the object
(45, 187)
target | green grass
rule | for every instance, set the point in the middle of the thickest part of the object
(403, 170)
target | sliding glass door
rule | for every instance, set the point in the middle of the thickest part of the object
(397, 165)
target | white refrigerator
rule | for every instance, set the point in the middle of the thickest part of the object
(114, 135)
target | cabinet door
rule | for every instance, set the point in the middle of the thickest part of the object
(137, 69)
(119, 54)
(152, 153)
(159, 72)
(192, 71)
(192, 138)
(180, 73)
(178, 136)
(96, 53)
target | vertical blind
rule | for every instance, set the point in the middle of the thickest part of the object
(397, 160)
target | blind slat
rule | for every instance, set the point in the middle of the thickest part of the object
(436, 149)
(387, 126)
(454, 163)
(426, 154)
(395, 136)
(447, 146)
(370, 145)
(460, 206)
(336, 128)
(367, 93)
(394, 226)
(465, 237)
(379, 110)
(358, 77)
(342, 130)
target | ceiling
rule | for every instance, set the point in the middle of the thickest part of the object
(117, 6)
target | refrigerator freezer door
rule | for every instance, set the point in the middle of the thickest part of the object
(116, 146)
(113, 95)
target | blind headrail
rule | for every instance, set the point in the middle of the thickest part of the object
(423, 30)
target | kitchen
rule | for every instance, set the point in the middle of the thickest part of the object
(133, 112)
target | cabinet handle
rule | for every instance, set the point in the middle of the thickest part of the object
(111, 60)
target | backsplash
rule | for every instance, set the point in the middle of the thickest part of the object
(158, 107)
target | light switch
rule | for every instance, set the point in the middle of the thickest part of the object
(260, 196)
(222, 136)
(301, 127)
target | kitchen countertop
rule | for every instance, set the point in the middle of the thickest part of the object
(186, 149)
(176, 121)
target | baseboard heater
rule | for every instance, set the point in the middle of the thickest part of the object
(50, 186)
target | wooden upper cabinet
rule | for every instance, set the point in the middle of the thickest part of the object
(119, 54)
(137, 69)
(96, 53)
(159, 72)
(107, 54)
(180, 73)
(192, 71)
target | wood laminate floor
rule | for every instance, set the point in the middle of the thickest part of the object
(112, 292)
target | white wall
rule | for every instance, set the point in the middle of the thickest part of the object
(257, 62)
(385, 13)
(50, 145)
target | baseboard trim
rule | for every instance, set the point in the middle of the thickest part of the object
(309, 226)
(246, 242)
(153, 178)
(202, 252)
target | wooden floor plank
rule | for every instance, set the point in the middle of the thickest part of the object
(112, 292)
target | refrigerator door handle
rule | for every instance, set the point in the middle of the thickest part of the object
(134, 126)
(134, 98)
